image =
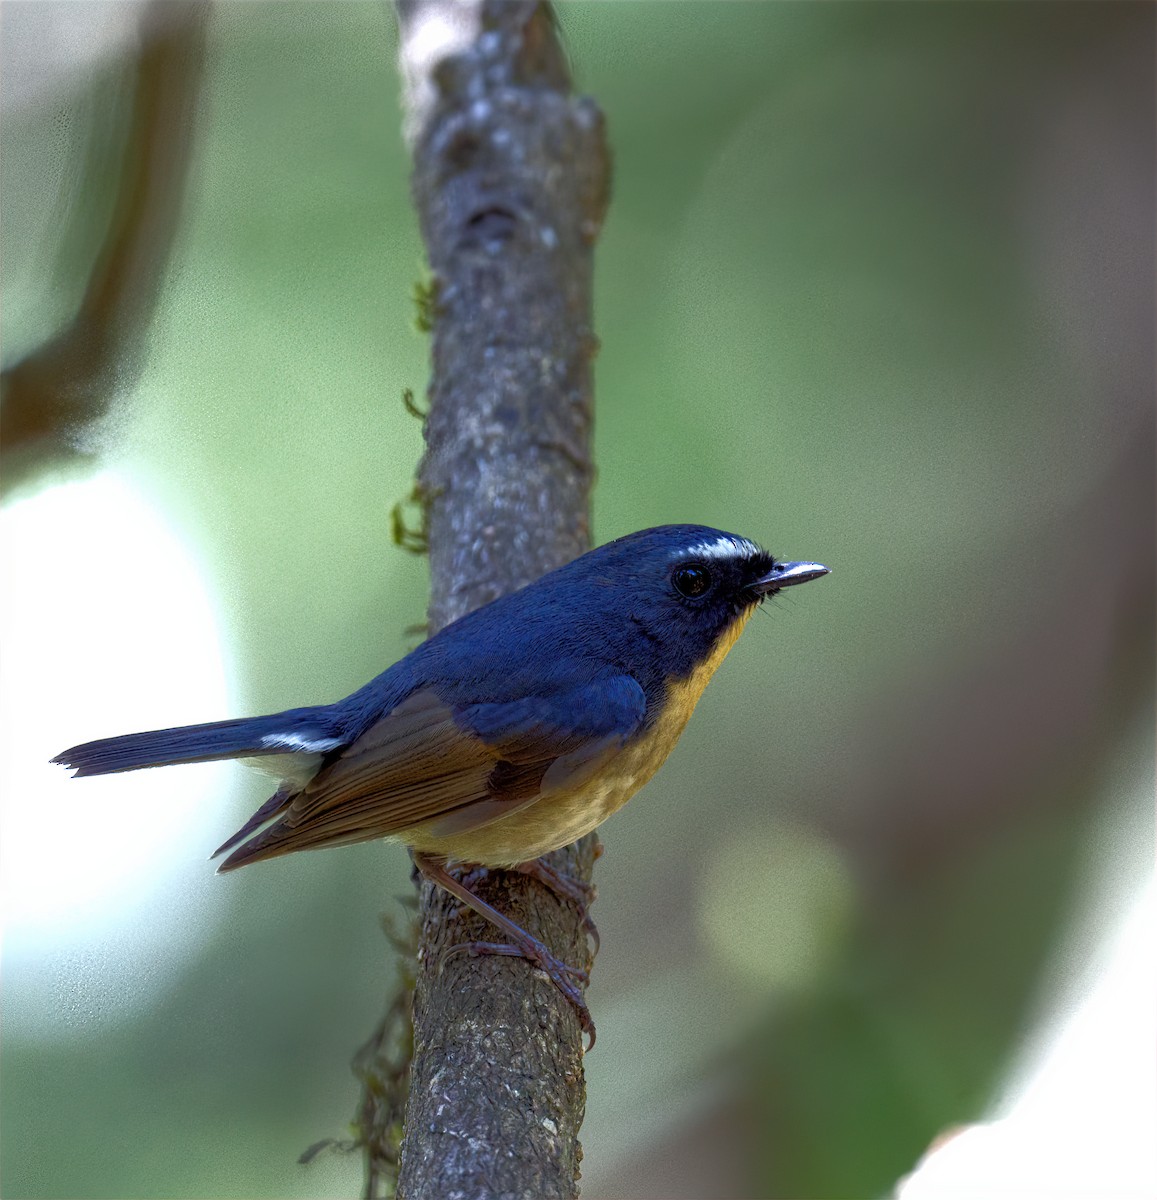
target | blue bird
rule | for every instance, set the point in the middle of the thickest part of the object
(508, 734)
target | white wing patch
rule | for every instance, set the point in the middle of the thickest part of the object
(721, 547)
(294, 741)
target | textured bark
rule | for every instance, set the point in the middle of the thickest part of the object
(510, 180)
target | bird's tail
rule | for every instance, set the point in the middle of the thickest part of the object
(308, 730)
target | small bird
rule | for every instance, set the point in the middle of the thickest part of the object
(510, 733)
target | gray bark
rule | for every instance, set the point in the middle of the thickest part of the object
(511, 179)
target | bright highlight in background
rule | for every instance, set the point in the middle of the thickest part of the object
(1082, 1123)
(107, 629)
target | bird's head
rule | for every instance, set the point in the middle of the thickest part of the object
(685, 588)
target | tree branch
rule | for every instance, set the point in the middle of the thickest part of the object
(511, 181)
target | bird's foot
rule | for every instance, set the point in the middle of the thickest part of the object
(569, 887)
(564, 977)
(569, 980)
(470, 879)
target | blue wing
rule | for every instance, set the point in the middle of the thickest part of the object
(560, 722)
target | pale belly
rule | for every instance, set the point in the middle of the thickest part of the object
(562, 817)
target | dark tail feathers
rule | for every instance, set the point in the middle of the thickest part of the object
(303, 729)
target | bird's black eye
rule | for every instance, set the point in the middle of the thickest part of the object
(691, 580)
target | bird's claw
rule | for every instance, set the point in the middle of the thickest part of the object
(569, 887)
(564, 977)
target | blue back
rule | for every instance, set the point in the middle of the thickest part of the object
(610, 612)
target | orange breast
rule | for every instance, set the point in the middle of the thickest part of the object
(564, 816)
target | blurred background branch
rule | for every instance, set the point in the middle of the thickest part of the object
(49, 397)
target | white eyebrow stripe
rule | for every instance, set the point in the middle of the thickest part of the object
(295, 741)
(721, 547)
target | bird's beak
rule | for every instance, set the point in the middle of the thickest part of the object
(785, 574)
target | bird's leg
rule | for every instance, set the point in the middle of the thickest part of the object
(564, 977)
(569, 887)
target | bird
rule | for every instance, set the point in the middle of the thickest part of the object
(511, 732)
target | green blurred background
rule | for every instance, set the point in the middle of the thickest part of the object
(876, 289)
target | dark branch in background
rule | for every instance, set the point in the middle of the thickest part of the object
(510, 181)
(70, 381)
